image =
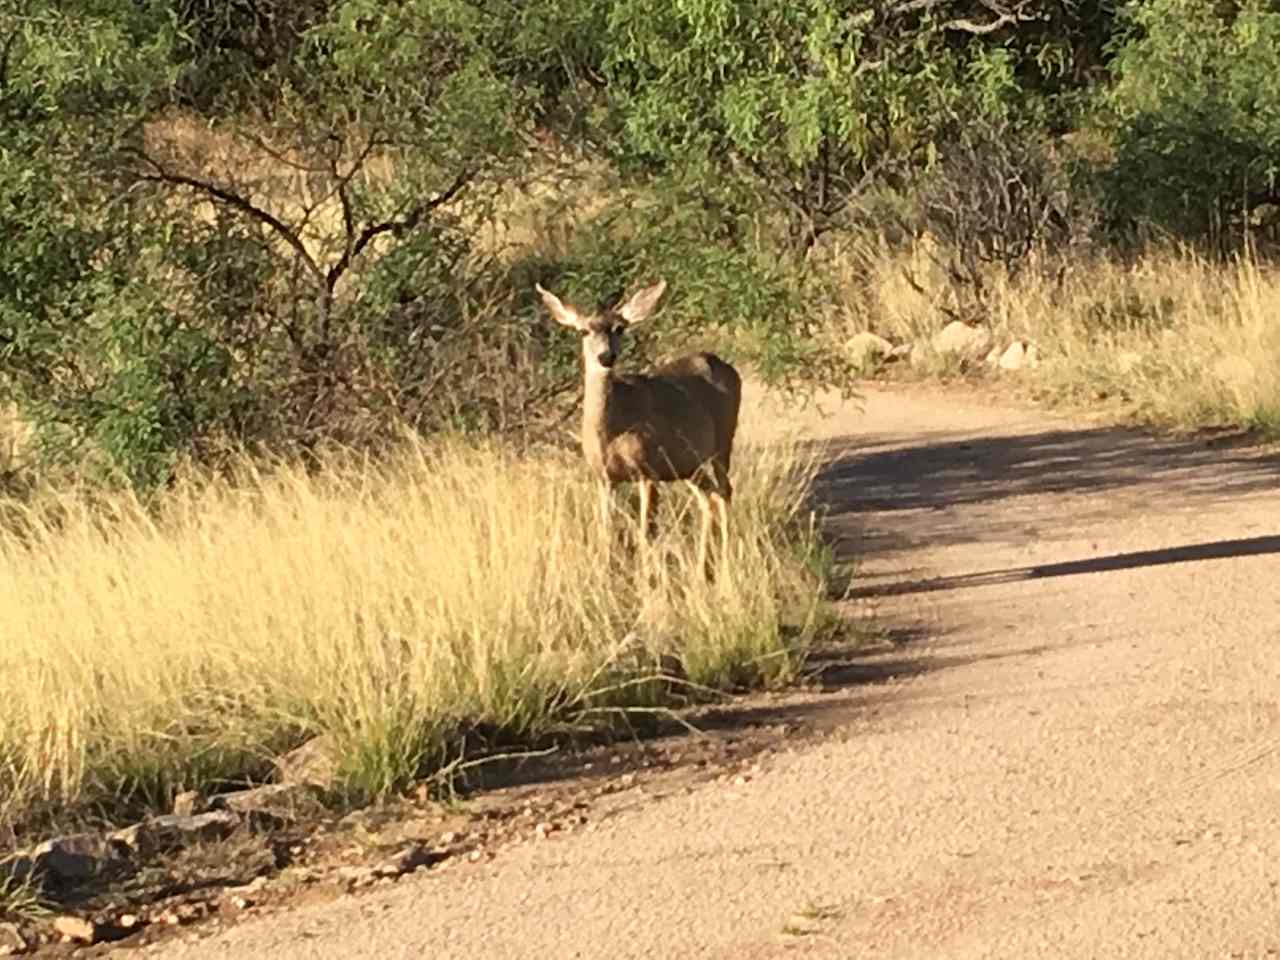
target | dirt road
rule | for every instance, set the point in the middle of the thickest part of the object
(1071, 748)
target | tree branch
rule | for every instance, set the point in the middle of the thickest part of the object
(408, 222)
(279, 156)
(9, 41)
(237, 202)
(970, 26)
(912, 6)
(1004, 16)
(342, 181)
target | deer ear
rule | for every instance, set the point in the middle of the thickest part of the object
(561, 312)
(642, 303)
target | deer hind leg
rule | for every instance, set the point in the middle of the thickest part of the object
(721, 503)
(723, 496)
(704, 540)
(649, 510)
(606, 515)
(715, 492)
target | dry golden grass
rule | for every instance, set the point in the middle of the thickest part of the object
(387, 605)
(1169, 338)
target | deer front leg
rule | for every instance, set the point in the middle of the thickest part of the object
(606, 498)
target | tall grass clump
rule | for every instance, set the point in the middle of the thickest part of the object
(388, 605)
(1167, 337)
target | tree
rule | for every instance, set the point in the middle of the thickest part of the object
(808, 105)
(1195, 115)
(221, 247)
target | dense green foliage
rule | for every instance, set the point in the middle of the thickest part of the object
(1196, 113)
(264, 223)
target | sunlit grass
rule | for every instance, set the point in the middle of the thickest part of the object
(1168, 338)
(387, 604)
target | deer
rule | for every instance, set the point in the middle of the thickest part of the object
(675, 423)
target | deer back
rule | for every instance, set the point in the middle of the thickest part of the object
(667, 424)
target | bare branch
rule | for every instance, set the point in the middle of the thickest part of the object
(969, 26)
(408, 222)
(912, 6)
(341, 182)
(5, 54)
(279, 156)
(348, 227)
(234, 200)
(1004, 15)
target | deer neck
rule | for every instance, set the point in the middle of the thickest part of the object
(597, 397)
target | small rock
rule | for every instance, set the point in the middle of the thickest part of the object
(739, 781)
(127, 921)
(253, 886)
(277, 798)
(544, 829)
(241, 903)
(188, 803)
(76, 928)
(356, 876)
(1019, 354)
(12, 941)
(407, 860)
(960, 339)
(173, 832)
(315, 763)
(74, 857)
(866, 348)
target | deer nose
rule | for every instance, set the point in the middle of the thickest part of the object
(606, 358)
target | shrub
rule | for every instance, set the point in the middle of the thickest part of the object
(1196, 117)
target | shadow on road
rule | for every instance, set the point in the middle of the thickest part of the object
(917, 483)
(1216, 550)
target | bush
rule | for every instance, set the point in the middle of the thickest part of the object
(1000, 192)
(290, 268)
(1196, 117)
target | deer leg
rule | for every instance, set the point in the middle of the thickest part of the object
(642, 534)
(723, 497)
(722, 517)
(648, 509)
(704, 540)
(606, 504)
